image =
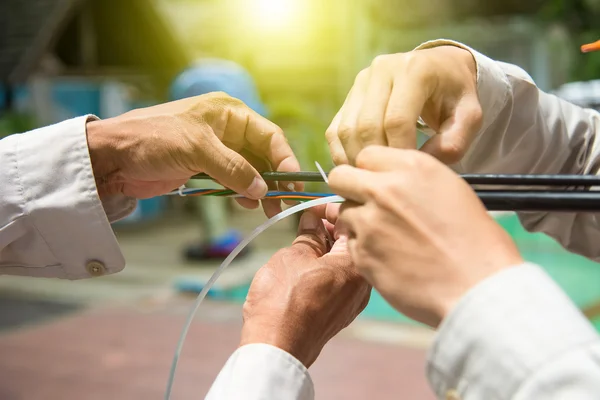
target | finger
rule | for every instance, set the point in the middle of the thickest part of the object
(456, 134)
(383, 159)
(351, 183)
(340, 246)
(243, 201)
(327, 212)
(247, 203)
(233, 170)
(271, 207)
(351, 220)
(371, 118)
(312, 236)
(407, 99)
(338, 154)
(365, 273)
(320, 211)
(347, 131)
(346, 223)
(340, 255)
(351, 245)
(343, 255)
(332, 212)
(329, 227)
(267, 140)
(140, 189)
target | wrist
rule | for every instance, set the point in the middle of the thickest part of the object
(102, 149)
(506, 261)
(283, 336)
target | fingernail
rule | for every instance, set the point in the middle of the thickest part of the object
(309, 222)
(341, 238)
(257, 189)
(291, 187)
(336, 234)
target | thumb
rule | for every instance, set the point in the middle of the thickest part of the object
(234, 171)
(457, 132)
(312, 235)
(340, 247)
(339, 254)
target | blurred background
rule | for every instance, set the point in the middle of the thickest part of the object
(294, 62)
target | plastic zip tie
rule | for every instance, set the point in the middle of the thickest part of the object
(257, 231)
(323, 174)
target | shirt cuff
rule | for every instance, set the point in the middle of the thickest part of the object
(60, 197)
(503, 330)
(261, 371)
(493, 86)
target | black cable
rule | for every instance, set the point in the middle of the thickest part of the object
(473, 179)
(577, 201)
(559, 199)
(532, 180)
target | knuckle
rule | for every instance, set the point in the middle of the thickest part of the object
(386, 189)
(373, 192)
(247, 309)
(419, 66)
(365, 302)
(393, 122)
(235, 166)
(345, 133)
(223, 100)
(220, 96)
(453, 151)
(414, 159)
(424, 164)
(331, 135)
(368, 130)
(362, 75)
(339, 158)
(367, 154)
(476, 116)
(338, 173)
(413, 61)
(380, 61)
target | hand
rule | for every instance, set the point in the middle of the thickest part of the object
(151, 151)
(304, 295)
(418, 233)
(384, 105)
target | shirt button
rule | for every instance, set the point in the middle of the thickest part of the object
(452, 394)
(95, 268)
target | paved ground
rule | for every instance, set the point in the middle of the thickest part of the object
(113, 338)
(126, 354)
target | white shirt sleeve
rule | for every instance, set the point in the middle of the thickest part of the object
(516, 335)
(528, 131)
(262, 372)
(52, 222)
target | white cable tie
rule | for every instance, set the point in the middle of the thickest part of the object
(257, 231)
(180, 190)
(323, 174)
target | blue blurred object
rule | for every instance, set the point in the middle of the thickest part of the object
(76, 97)
(146, 210)
(217, 75)
(193, 286)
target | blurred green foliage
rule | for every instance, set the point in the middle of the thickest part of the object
(15, 122)
(306, 134)
(581, 18)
